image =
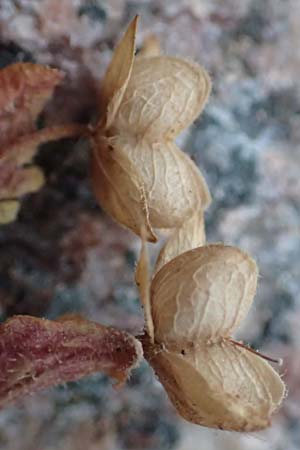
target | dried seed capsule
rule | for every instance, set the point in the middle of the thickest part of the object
(135, 166)
(163, 97)
(219, 385)
(197, 300)
(118, 74)
(119, 187)
(202, 294)
(123, 166)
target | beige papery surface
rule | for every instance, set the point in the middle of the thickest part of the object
(200, 293)
(141, 178)
(190, 235)
(197, 300)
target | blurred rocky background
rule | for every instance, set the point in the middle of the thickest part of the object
(64, 255)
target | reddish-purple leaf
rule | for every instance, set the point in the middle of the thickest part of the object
(38, 353)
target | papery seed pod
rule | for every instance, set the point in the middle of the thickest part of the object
(119, 188)
(163, 97)
(118, 74)
(202, 294)
(147, 102)
(190, 235)
(173, 185)
(219, 385)
(197, 300)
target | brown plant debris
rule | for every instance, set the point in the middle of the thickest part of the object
(25, 88)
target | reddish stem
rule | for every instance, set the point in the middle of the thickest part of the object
(261, 355)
